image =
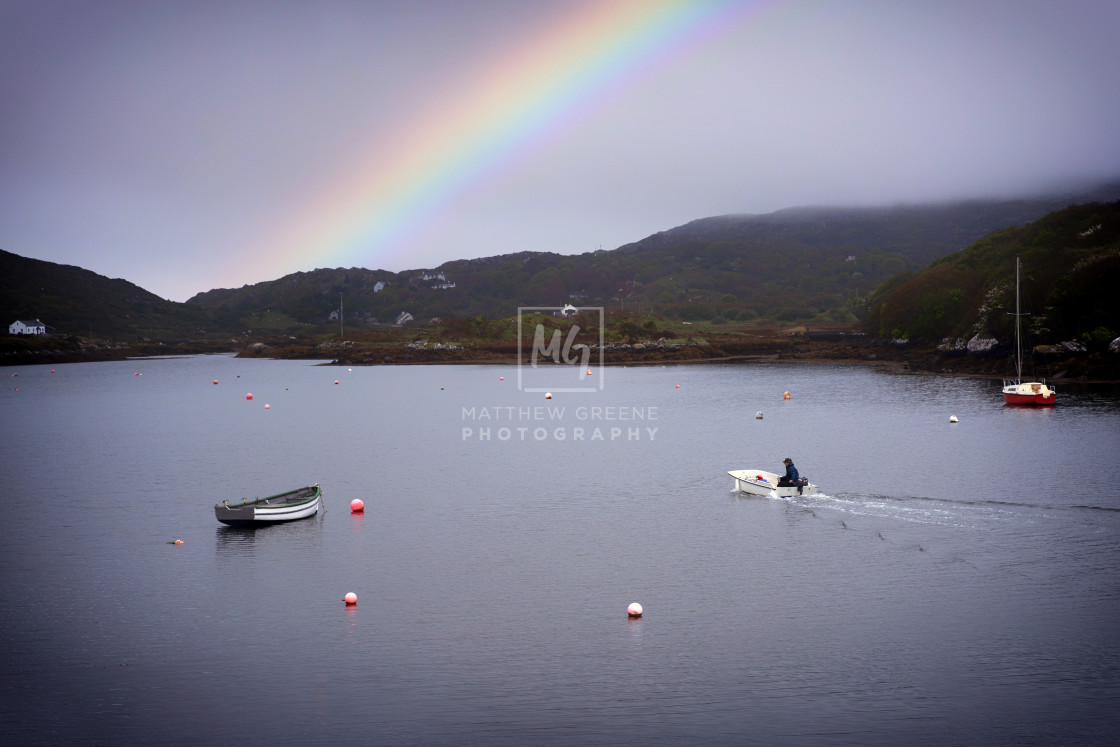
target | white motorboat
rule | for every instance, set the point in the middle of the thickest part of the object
(760, 482)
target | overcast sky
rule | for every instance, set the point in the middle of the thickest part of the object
(192, 145)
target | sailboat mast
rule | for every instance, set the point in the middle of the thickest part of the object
(1018, 344)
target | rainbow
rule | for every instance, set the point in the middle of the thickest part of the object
(526, 97)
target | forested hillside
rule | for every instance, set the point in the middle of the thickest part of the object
(792, 265)
(74, 301)
(1071, 272)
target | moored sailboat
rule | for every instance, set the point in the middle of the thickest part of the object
(1016, 391)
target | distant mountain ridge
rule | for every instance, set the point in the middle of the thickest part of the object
(797, 264)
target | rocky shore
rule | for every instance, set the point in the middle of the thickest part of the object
(1057, 363)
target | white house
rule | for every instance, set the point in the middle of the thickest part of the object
(568, 310)
(379, 286)
(404, 317)
(24, 327)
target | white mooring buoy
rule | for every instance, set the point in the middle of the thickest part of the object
(953, 419)
(634, 610)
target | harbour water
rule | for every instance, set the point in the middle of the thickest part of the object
(955, 583)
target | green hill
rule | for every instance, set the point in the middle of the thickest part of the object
(793, 265)
(73, 301)
(1071, 268)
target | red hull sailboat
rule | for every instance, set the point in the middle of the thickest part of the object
(1016, 391)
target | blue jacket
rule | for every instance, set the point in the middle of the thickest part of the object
(791, 473)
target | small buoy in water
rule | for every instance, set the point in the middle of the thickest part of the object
(758, 415)
(52, 370)
(634, 610)
(441, 389)
(785, 395)
(548, 395)
(249, 395)
(678, 386)
(215, 381)
(176, 542)
(336, 381)
(137, 373)
(589, 372)
(351, 598)
(267, 407)
(953, 419)
(356, 506)
(501, 378)
(349, 369)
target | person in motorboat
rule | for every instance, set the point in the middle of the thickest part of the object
(789, 480)
(792, 479)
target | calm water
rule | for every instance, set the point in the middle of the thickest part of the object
(955, 584)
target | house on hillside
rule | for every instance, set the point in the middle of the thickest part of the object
(403, 317)
(25, 327)
(379, 286)
(567, 311)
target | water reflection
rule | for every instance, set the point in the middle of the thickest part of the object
(245, 539)
(235, 540)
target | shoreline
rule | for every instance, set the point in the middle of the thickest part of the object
(1096, 368)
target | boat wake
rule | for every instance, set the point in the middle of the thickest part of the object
(939, 511)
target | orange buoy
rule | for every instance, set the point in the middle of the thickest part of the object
(215, 381)
(267, 407)
(678, 386)
(785, 395)
(634, 610)
(177, 542)
(351, 598)
(357, 506)
(548, 395)
(589, 372)
(249, 395)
